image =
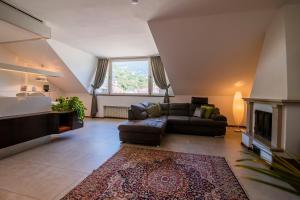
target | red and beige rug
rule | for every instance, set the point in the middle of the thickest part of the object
(136, 173)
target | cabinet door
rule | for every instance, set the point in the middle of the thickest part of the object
(6, 133)
(28, 128)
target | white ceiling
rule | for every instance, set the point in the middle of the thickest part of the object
(115, 28)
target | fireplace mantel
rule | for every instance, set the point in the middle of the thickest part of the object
(275, 101)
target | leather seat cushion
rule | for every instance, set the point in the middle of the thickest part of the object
(178, 120)
(150, 125)
(197, 121)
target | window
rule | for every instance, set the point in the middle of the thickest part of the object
(130, 77)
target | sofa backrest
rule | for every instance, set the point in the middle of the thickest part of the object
(179, 109)
(164, 108)
(199, 101)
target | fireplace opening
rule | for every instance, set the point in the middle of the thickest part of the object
(263, 126)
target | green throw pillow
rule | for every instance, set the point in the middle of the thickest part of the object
(208, 111)
(154, 111)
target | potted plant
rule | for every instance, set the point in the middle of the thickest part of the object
(284, 167)
(70, 104)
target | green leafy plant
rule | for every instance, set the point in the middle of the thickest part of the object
(70, 104)
(281, 168)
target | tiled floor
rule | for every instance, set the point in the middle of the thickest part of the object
(51, 170)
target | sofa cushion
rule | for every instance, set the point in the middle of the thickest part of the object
(146, 104)
(209, 110)
(164, 108)
(178, 120)
(150, 125)
(153, 110)
(219, 117)
(139, 111)
(199, 112)
(179, 109)
(196, 121)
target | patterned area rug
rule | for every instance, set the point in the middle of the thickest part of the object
(136, 173)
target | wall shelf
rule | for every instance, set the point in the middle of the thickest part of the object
(10, 67)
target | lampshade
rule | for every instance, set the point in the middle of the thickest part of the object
(238, 108)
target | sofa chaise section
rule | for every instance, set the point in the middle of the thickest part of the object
(148, 131)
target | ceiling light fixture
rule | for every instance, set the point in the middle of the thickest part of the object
(134, 2)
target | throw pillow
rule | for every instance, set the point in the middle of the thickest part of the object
(147, 104)
(199, 112)
(208, 111)
(215, 112)
(139, 111)
(154, 111)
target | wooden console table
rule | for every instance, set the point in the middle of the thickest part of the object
(22, 128)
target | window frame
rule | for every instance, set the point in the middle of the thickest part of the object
(150, 79)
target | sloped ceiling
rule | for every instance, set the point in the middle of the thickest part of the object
(14, 33)
(208, 54)
(83, 65)
(206, 45)
(116, 28)
(37, 53)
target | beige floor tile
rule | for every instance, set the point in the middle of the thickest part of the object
(50, 171)
(6, 195)
(36, 180)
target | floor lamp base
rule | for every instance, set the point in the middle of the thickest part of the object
(239, 129)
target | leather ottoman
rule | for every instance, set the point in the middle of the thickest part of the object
(148, 131)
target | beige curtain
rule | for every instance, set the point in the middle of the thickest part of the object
(99, 80)
(160, 76)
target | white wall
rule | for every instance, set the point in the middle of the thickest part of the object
(11, 106)
(292, 24)
(81, 64)
(224, 103)
(271, 73)
(292, 129)
(10, 81)
(278, 71)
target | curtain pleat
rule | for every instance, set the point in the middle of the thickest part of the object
(160, 76)
(98, 82)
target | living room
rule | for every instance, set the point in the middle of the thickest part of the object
(143, 99)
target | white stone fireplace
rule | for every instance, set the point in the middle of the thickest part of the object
(275, 88)
(284, 132)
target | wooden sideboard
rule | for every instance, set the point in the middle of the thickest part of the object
(22, 128)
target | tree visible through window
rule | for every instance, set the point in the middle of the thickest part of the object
(130, 77)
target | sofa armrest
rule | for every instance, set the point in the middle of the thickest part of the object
(219, 118)
(130, 115)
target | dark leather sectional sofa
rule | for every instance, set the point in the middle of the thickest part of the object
(176, 118)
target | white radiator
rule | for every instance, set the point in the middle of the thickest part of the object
(116, 112)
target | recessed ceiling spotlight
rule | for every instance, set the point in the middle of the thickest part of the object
(134, 2)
